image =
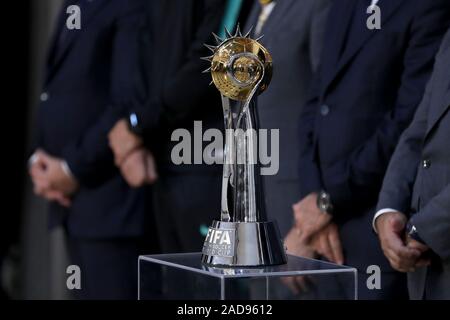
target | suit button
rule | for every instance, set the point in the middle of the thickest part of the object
(426, 164)
(44, 96)
(324, 110)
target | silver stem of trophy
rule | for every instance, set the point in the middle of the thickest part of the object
(228, 155)
(240, 160)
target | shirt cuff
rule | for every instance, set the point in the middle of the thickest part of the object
(380, 213)
(33, 159)
(65, 167)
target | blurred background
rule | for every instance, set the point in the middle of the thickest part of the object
(26, 245)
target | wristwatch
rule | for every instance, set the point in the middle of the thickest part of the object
(324, 202)
(134, 124)
(412, 232)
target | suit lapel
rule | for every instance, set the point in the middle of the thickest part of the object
(440, 101)
(441, 109)
(339, 19)
(61, 20)
(388, 8)
(88, 10)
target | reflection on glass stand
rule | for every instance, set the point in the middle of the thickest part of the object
(184, 277)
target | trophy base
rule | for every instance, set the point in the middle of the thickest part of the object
(243, 244)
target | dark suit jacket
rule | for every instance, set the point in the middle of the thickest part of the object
(363, 99)
(294, 35)
(418, 180)
(368, 87)
(94, 78)
(181, 93)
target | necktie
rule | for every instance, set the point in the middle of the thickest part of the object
(230, 17)
(266, 9)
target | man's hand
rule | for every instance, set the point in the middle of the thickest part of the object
(50, 180)
(423, 261)
(328, 244)
(139, 168)
(296, 247)
(122, 141)
(308, 217)
(391, 227)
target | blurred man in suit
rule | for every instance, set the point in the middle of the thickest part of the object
(94, 76)
(413, 217)
(365, 94)
(187, 196)
(293, 33)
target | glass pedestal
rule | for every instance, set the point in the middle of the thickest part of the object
(184, 277)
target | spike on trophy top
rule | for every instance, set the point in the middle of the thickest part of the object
(241, 68)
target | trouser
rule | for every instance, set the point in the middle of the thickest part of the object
(185, 206)
(108, 267)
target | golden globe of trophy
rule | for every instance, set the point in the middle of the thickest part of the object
(241, 69)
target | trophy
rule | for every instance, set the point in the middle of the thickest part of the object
(241, 69)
